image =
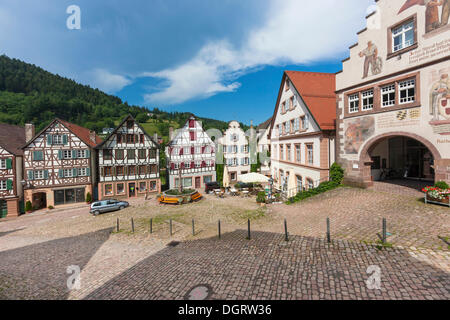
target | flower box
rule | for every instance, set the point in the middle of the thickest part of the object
(437, 196)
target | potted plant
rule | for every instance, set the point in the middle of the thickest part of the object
(261, 198)
(88, 198)
(439, 193)
(28, 207)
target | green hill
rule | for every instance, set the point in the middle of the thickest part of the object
(30, 94)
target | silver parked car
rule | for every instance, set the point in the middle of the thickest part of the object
(107, 206)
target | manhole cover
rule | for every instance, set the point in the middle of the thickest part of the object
(199, 292)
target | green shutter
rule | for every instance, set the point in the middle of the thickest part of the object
(60, 154)
(9, 163)
(30, 175)
(74, 154)
(65, 139)
(46, 174)
(88, 153)
(49, 139)
(9, 184)
(88, 171)
(75, 172)
(61, 173)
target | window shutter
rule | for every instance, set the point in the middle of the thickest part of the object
(203, 164)
(74, 154)
(9, 163)
(60, 154)
(172, 166)
(30, 175)
(181, 151)
(49, 139)
(182, 165)
(46, 174)
(192, 165)
(75, 172)
(88, 171)
(203, 149)
(61, 173)
(9, 184)
(65, 139)
(192, 150)
(88, 153)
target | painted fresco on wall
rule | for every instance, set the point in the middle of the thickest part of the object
(401, 118)
(371, 60)
(437, 12)
(357, 132)
(440, 101)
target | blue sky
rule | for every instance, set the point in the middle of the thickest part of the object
(221, 59)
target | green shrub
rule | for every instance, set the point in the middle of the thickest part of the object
(88, 197)
(28, 206)
(51, 207)
(261, 197)
(441, 185)
(336, 173)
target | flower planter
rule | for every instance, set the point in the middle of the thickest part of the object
(445, 201)
(179, 199)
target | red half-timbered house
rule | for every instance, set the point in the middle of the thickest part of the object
(12, 138)
(60, 165)
(128, 162)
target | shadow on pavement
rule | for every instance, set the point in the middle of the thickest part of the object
(39, 271)
(267, 267)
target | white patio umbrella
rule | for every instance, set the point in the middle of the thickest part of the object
(291, 185)
(253, 177)
(226, 178)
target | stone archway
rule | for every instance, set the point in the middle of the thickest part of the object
(365, 161)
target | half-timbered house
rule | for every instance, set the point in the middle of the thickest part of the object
(191, 156)
(60, 165)
(128, 162)
(12, 138)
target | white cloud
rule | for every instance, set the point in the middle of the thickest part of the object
(107, 81)
(295, 32)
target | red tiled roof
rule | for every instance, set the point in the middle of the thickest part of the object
(12, 138)
(82, 133)
(318, 92)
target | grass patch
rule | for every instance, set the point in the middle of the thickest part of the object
(252, 214)
(381, 245)
(161, 218)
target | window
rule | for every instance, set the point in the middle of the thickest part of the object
(288, 152)
(82, 172)
(120, 188)
(142, 154)
(207, 179)
(57, 139)
(233, 176)
(66, 196)
(303, 121)
(108, 189)
(310, 153)
(119, 171)
(299, 183)
(82, 153)
(407, 91)
(291, 103)
(142, 170)
(287, 127)
(152, 154)
(388, 95)
(131, 170)
(107, 154)
(283, 107)
(187, 182)
(67, 154)
(119, 154)
(353, 103)
(3, 164)
(187, 165)
(403, 36)
(281, 152)
(153, 169)
(68, 173)
(107, 171)
(246, 161)
(176, 166)
(3, 184)
(310, 184)
(198, 164)
(298, 154)
(130, 138)
(367, 100)
(39, 174)
(292, 126)
(246, 148)
(187, 150)
(142, 186)
(153, 185)
(131, 155)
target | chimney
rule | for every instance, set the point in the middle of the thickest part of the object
(170, 133)
(92, 136)
(29, 131)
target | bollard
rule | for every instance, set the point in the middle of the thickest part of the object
(118, 228)
(219, 229)
(151, 226)
(286, 235)
(248, 236)
(170, 227)
(384, 231)
(132, 225)
(193, 228)
(328, 231)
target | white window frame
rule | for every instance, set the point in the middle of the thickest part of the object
(352, 99)
(68, 173)
(366, 96)
(67, 154)
(187, 150)
(401, 31)
(387, 91)
(406, 85)
(2, 163)
(3, 185)
(310, 151)
(198, 164)
(187, 165)
(288, 152)
(176, 166)
(82, 172)
(39, 175)
(57, 139)
(82, 153)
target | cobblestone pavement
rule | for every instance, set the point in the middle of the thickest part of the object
(36, 250)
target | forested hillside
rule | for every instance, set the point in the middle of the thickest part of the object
(30, 94)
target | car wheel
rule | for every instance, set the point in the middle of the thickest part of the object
(96, 213)
(121, 207)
